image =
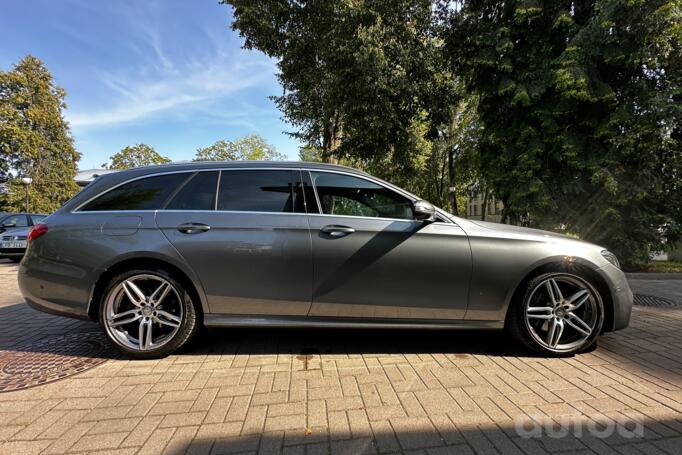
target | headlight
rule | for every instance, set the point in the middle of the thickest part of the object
(609, 256)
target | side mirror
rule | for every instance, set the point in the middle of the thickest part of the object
(8, 225)
(424, 211)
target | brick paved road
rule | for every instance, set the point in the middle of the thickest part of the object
(345, 391)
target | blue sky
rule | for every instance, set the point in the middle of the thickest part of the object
(168, 73)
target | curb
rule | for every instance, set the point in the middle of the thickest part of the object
(654, 276)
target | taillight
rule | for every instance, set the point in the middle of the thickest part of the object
(37, 231)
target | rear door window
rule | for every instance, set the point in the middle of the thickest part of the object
(149, 193)
(257, 190)
(198, 193)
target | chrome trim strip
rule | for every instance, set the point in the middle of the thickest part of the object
(218, 320)
(158, 174)
(374, 180)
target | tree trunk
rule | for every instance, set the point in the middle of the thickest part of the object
(484, 204)
(331, 140)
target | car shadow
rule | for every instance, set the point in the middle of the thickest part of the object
(349, 341)
(23, 329)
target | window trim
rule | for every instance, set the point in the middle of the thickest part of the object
(319, 203)
(445, 218)
(396, 189)
(158, 174)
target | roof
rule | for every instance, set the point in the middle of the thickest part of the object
(182, 165)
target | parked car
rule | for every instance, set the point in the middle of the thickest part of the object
(154, 253)
(14, 232)
(13, 243)
(19, 220)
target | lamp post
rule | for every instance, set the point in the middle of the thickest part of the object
(27, 182)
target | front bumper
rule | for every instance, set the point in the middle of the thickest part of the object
(12, 252)
(621, 296)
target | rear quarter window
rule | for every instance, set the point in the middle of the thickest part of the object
(149, 193)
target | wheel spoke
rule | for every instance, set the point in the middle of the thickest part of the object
(577, 299)
(134, 317)
(578, 324)
(166, 318)
(145, 334)
(135, 295)
(125, 317)
(539, 312)
(160, 293)
(556, 329)
(554, 292)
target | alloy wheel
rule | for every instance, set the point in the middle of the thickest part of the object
(561, 312)
(143, 312)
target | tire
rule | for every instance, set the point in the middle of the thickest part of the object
(576, 312)
(153, 327)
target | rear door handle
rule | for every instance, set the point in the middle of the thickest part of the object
(193, 228)
(334, 230)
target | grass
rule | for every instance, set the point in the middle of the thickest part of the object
(662, 267)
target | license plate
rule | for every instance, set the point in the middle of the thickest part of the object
(19, 244)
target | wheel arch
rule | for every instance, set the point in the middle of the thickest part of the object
(573, 265)
(146, 261)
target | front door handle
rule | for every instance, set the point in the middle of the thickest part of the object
(193, 228)
(334, 230)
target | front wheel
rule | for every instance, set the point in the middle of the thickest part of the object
(561, 314)
(147, 313)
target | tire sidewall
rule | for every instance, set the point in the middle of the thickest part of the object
(188, 325)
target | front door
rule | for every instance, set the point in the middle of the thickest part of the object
(251, 246)
(373, 260)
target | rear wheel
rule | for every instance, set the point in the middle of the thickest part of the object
(560, 314)
(147, 313)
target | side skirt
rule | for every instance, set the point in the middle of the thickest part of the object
(219, 320)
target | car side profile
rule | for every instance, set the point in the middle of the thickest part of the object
(155, 253)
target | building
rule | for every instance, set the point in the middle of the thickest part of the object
(83, 178)
(493, 210)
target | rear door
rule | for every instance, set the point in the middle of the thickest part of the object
(249, 241)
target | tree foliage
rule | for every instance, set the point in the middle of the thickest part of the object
(35, 140)
(136, 156)
(252, 147)
(357, 76)
(567, 110)
(577, 103)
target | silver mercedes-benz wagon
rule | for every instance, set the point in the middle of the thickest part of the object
(155, 253)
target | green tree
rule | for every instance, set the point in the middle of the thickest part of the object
(576, 102)
(252, 147)
(358, 77)
(310, 153)
(35, 140)
(135, 156)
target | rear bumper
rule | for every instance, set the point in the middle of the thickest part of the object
(621, 297)
(58, 310)
(44, 292)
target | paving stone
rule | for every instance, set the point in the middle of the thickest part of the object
(249, 392)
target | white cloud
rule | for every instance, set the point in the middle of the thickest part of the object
(165, 79)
